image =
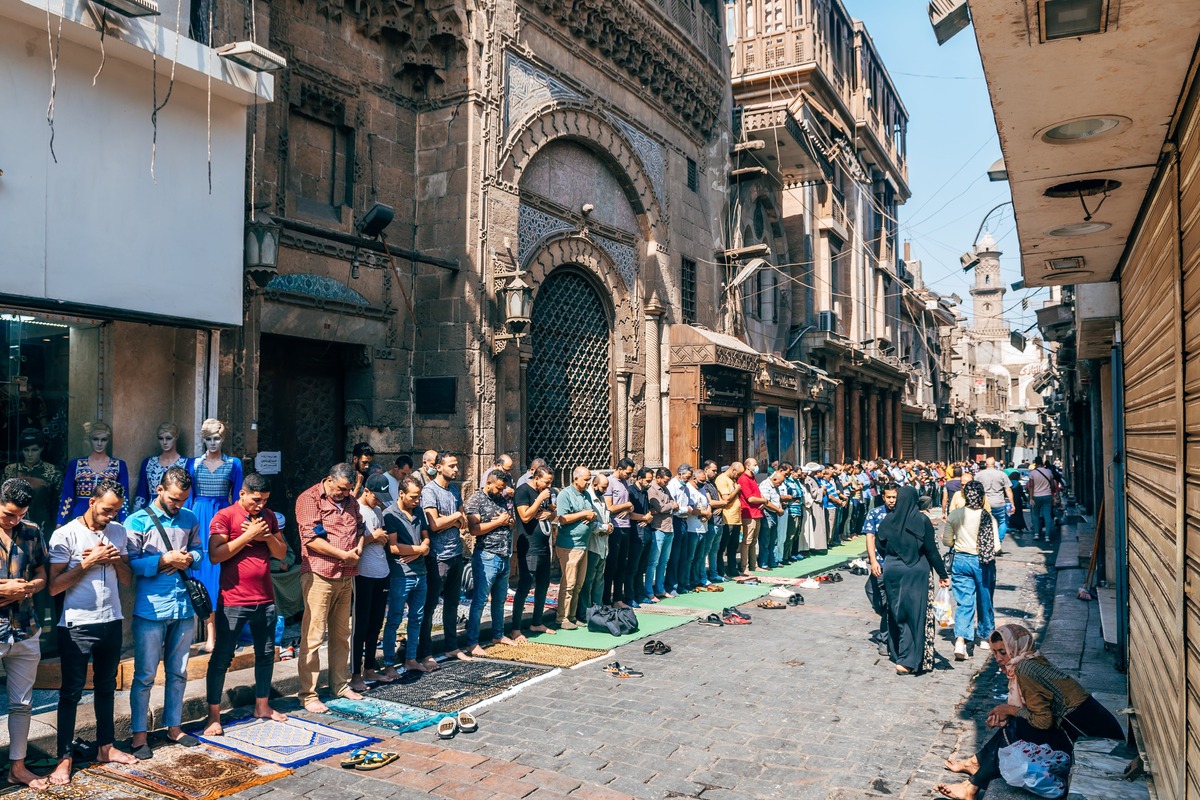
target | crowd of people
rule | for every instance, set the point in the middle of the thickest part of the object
(206, 555)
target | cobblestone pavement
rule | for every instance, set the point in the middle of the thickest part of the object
(797, 705)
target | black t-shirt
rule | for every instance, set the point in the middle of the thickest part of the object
(535, 531)
(640, 500)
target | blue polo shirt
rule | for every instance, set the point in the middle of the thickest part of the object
(161, 595)
(831, 492)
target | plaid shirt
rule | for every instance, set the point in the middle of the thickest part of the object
(343, 526)
(26, 554)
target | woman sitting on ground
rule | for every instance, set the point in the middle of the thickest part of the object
(1045, 706)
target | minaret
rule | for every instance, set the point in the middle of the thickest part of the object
(988, 292)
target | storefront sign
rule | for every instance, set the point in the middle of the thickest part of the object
(723, 387)
(269, 463)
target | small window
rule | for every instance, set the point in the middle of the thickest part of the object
(687, 291)
(987, 281)
(693, 177)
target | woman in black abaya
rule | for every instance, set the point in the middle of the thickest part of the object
(910, 552)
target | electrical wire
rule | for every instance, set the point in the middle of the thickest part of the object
(170, 87)
(55, 44)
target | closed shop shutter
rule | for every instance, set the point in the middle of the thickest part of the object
(927, 442)
(1190, 227)
(1153, 435)
(908, 436)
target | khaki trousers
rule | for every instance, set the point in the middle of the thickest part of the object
(573, 562)
(328, 606)
(748, 550)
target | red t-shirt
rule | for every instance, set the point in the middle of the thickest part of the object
(749, 488)
(245, 578)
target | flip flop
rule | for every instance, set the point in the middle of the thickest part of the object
(627, 672)
(354, 759)
(648, 647)
(796, 599)
(447, 728)
(731, 619)
(661, 648)
(734, 612)
(613, 668)
(467, 722)
(712, 620)
(771, 604)
(376, 759)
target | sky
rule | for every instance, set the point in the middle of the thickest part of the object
(951, 143)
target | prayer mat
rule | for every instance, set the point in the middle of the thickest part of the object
(87, 785)
(543, 653)
(734, 594)
(292, 743)
(434, 691)
(486, 675)
(649, 625)
(191, 773)
(394, 717)
(773, 581)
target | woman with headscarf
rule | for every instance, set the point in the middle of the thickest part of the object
(1016, 520)
(910, 552)
(971, 533)
(1045, 706)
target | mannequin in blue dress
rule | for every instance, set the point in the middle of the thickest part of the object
(83, 473)
(154, 467)
(216, 483)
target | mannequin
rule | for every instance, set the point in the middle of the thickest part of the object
(153, 468)
(216, 483)
(44, 477)
(83, 473)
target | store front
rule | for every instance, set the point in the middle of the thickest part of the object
(710, 396)
(775, 426)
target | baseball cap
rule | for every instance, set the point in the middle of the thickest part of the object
(379, 486)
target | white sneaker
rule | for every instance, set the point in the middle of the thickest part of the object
(960, 650)
(780, 593)
(984, 644)
(809, 583)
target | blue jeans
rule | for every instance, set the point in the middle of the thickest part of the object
(1001, 517)
(491, 580)
(656, 566)
(1043, 515)
(973, 584)
(712, 557)
(167, 640)
(410, 591)
(700, 556)
(766, 541)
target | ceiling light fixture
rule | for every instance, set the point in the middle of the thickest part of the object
(131, 8)
(1078, 229)
(1088, 187)
(1082, 129)
(1066, 263)
(1066, 19)
(251, 56)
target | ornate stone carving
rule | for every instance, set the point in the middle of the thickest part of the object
(652, 154)
(623, 256)
(428, 34)
(533, 227)
(528, 88)
(317, 286)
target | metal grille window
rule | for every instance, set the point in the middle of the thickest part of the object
(693, 178)
(569, 395)
(687, 291)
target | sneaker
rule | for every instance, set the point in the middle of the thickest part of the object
(984, 644)
(960, 650)
(567, 625)
(808, 583)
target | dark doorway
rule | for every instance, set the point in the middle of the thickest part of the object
(301, 413)
(719, 437)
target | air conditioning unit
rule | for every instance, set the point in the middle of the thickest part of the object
(827, 322)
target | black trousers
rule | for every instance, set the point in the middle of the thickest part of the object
(533, 572)
(637, 562)
(445, 584)
(230, 621)
(616, 566)
(370, 608)
(101, 645)
(1090, 719)
(730, 540)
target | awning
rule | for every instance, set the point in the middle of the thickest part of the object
(692, 345)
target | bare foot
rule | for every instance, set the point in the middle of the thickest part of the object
(966, 766)
(316, 707)
(430, 664)
(959, 791)
(213, 728)
(460, 655)
(270, 714)
(516, 637)
(620, 604)
(377, 677)
(19, 773)
(60, 777)
(392, 674)
(508, 640)
(476, 651)
(350, 694)
(357, 685)
(109, 754)
(900, 670)
(208, 647)
(543, 629)
(412, 665)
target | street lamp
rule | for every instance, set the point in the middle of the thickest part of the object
(518, 306)
(261, 255)
(970, 258)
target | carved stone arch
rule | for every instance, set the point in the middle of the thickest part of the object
(582, 125)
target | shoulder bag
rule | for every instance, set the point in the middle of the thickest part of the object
(201, 602)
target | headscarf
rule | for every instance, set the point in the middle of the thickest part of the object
(903, 529)
(973, 493)
(1019, 644)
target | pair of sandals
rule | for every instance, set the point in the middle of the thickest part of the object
(728, 616)
(365, 760)
(829, 577)
(451, 726)
(619, 670)
(655, 648)
(711, 587)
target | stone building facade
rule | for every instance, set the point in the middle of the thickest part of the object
(583, 146)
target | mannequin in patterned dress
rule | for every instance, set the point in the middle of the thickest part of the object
(154, 467)
(216, 483)
(83, 473)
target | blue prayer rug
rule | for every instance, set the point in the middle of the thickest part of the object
(391, 716)
(290, 744)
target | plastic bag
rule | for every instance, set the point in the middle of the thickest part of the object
(1034, 767)
(943, 608)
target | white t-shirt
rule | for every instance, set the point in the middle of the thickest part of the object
(96, 597)
(374, 561)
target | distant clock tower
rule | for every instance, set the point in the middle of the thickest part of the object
(988, 292)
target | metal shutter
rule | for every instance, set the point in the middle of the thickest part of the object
(908, 437)
(927, 442)
(1151, 325)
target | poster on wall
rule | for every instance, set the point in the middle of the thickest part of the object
(758, 447)
(787, 438)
